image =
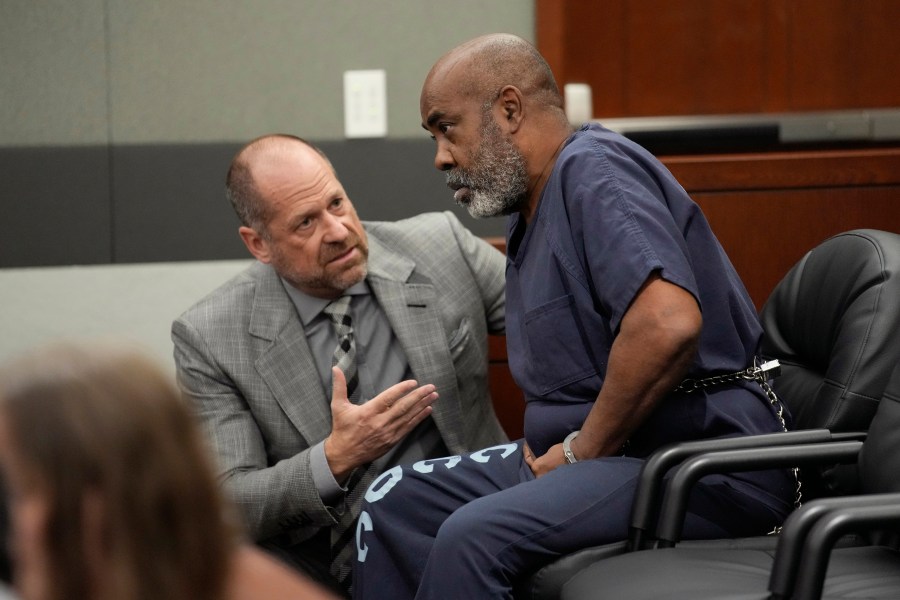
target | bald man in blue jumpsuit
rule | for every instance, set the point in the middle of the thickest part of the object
(617, 290)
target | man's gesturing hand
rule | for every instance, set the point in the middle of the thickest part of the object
(360, 434)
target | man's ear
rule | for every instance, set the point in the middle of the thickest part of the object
(256, 244)
(512, 106)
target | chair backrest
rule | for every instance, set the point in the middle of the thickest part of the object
(833, 322)
(879, 459)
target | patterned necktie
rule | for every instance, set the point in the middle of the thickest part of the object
(345, 353)
(343, 534)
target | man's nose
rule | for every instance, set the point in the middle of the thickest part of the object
(443, 159)
(335, 230)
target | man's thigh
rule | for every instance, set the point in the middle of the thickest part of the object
(572, 507)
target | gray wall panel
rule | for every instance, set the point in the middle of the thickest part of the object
(222, 70)
(170, 204)
(53, 85)
(165, 202)
(55, 206)
(119, 117)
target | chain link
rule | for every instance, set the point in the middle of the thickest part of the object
(757, 374)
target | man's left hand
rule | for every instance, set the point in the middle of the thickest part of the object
(544, 464)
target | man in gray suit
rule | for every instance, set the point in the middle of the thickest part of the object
(257, 355)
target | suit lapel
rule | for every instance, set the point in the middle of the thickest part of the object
(289, 369)
(411, 307)
(287, 365)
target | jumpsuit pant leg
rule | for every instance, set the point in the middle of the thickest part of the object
(405, 507)
(468, 531)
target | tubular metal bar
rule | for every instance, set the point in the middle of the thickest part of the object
(675, 499)
(650, 481)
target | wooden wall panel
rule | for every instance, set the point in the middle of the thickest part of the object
(843, 54)
(776, 171)
(765, 233)
(691, 60)
(688, 57)
(768, 209)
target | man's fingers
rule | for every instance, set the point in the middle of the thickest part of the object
(403, 414)
(413, 402)
(401, 397)
(413, 417)
(338, 386)
(393, 394)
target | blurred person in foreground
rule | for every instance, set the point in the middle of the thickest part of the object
(110, 490)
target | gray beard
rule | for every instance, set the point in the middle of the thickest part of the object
(498, 179)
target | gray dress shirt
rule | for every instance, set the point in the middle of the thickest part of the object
(381, 363)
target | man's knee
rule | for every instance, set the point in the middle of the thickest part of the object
(467, 529)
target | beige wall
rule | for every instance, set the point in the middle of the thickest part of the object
(85, 72)
(135, 303)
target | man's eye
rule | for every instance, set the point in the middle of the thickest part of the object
(337, 203)
(304, 224)
(444, 127)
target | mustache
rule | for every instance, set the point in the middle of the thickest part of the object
(457, 178)
(332, 250)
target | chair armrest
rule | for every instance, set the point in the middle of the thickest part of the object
(849, 436)
(830, 527)
(796, 530)
(650, 481)
(675, 500)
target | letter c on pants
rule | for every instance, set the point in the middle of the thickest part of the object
(364, 523)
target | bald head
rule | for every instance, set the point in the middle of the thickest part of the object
(496, 115)
(241, 187)
(480, 67)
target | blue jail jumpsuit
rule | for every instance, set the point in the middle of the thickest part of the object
(467, 526)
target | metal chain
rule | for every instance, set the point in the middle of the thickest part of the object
(757, 374)
(692, 385)
(779, 412)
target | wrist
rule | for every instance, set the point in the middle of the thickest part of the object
(339, 470)
(568, 453)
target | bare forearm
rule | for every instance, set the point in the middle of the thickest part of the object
(655, 347)
(650, 356)
(641, 372)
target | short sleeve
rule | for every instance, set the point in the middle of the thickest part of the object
(619, 209)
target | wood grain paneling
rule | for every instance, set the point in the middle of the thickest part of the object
(843, 54)
(786, 170)
(689, 57)
(768, 209)
(766, 232)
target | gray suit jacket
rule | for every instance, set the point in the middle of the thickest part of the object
(243, 359)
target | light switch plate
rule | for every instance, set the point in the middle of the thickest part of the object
(365, 103)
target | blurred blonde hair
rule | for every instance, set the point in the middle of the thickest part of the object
(127, 475)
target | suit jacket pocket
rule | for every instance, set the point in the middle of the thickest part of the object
(459, 339)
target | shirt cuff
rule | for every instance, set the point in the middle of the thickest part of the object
(330, 491)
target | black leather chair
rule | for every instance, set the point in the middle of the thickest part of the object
(832, 323)
(806, 564)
